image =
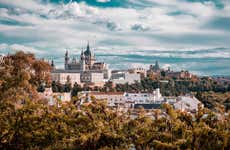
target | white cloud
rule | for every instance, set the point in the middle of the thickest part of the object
(71, 25)
(28, 5)
(138, 65)
(103, 1)
(72, 10)
(5, 48)
(166, 66)
(52, 28)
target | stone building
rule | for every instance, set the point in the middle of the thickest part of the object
(54, 98)
(139, 70)
(124, 76)
(86, 70)
(154, 71)
(187, 103)
(179, 74)
(125, 99)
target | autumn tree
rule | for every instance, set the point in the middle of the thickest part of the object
(21, 74)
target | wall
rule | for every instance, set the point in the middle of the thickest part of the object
(62, 77)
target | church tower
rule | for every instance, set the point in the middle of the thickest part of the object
(156, 67)
(66, 60)
(82, 61)
(52, 65)
(89, 56)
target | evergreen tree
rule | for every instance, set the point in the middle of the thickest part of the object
(76, 88)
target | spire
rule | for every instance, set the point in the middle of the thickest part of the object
(66, 53)
(88, 46)
(87, 52)
(66, 59)
(82, 54)
(66, 56)
(82, 61)
(157, 65)
(52, 63)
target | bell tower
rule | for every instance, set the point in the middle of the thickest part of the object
(52, 64)
(82, 61)
(66, 60)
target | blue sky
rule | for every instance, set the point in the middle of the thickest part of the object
(183, 29)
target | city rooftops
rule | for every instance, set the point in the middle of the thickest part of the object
(75, 71)
(106, 93)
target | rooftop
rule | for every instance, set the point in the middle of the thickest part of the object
(106, 93)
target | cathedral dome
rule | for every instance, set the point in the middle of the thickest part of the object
(88, 51)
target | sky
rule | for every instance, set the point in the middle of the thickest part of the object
(181, 34)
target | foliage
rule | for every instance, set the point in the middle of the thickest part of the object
(21, 74)
(76, 89)
(35, 125)
(32, 124)
(215, 100)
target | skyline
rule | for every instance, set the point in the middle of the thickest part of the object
(192, 34)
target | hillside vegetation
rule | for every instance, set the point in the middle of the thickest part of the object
(26, 122)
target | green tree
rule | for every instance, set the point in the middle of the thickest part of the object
(76, 88)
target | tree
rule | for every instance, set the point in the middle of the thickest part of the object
(54, 86)
(68, 86)
(41, 88)
(34, 125)
(76, 89)
(21, 74)
(108, 86)
(61, 87)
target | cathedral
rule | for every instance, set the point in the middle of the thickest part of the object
(85, 70)
(87, 62)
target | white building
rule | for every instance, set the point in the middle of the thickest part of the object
(113, 98)
(187, 103)
(125, 99)
(139, 70)
(97, 77)
(145, 98)
(1, 61)
(86, 70)
(54, 98)
(122, 77)
(79, 77)
(63, 76)
(170, 99)
(1, 58)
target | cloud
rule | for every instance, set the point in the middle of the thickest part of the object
(119, 26)
(72, 10)
(139, 27)
(220, 23)
(112, 26)
(5, 48)
(103, 1)
(20, 6)
(166, 66)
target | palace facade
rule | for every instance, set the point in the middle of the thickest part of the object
(86, 70)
